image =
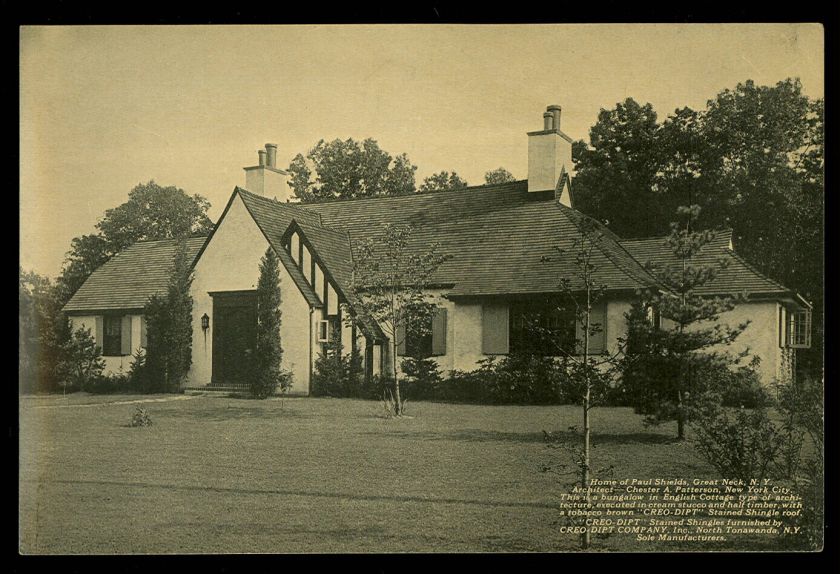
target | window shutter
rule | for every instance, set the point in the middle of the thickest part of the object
(439, 333)
(400, 340)
(99, 332)
(143, 341)
(495, 330)
(597, 342)
(125, 335)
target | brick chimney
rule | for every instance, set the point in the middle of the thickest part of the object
(265, 178)
(549, 153)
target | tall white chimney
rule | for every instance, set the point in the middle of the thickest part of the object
(549, 153)
(265, 178)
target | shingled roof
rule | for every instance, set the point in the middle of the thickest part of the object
(129, 278)
(498, 237)
(737, 276)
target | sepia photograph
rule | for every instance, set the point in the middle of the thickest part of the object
(421, 288)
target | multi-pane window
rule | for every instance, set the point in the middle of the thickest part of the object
(112, 335)
(541, 329)
(800, 329)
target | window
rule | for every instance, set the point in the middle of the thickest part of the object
(419, 345)
(539, 328)
(424, 341)
(112, 336)
(800, 329)
(323, 331)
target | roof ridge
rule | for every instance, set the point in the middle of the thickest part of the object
(413, 194)
(166, 239)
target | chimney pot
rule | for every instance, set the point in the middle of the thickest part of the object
(262, 153)
(555, 111)
(271, 150)
(548, 121)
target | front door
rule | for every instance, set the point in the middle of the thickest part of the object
(234, 336)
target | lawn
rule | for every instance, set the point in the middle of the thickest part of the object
(227, 475)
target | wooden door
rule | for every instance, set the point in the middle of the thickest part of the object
(234, 337)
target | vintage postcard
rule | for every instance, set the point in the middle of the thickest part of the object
(421, 289)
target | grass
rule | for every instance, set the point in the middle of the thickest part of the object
(215, 475)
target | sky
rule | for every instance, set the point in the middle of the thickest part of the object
(104, 108)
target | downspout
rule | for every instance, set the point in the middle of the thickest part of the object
(311, 311)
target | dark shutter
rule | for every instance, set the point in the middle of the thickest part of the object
(99, 333)
(125, 335)
(597, 341)
(400, 335)
(494, 329)
(143, 342)
(439, 333)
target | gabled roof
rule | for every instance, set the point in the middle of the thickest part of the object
(129, 278)
(273, 218)
(737, 276)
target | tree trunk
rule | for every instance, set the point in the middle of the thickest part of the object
(397, 401)
(680, 416)
(585, 537)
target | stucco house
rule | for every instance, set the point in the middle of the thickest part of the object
(502, 240)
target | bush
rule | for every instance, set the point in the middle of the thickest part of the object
(265, 384)
(740, 443)
(110, 384)
(338, 374)
(140, 418)
(422, 378)
(81, 364)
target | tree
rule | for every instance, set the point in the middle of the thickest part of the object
(589, 374)
(498, 175)
(665, 375)
(169, 328)
(267, 373)
(42, 333)
(442, 181)
(753, 160)
(349, 169)
(614, 177)
(151, 212)
(390, 286)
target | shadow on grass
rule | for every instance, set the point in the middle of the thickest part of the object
(476, 435)
(309, 494)
(241, 410)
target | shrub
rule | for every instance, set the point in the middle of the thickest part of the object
(336, 373)
(81, 364)
(740, 443)
(422, 377)
(140, 418)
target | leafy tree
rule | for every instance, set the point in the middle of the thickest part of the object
(498, 175)
(753, 160)
(42, 332)
(169, 328)
(349, 169)
(614, 177)
(267, 373)
(442, 181)
(390, 286)
(665, 372)
(151, 212)
(155, 212)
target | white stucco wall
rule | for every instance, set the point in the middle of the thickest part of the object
(761, 337)
(466, 339)
(231, 263)
(113, 365)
